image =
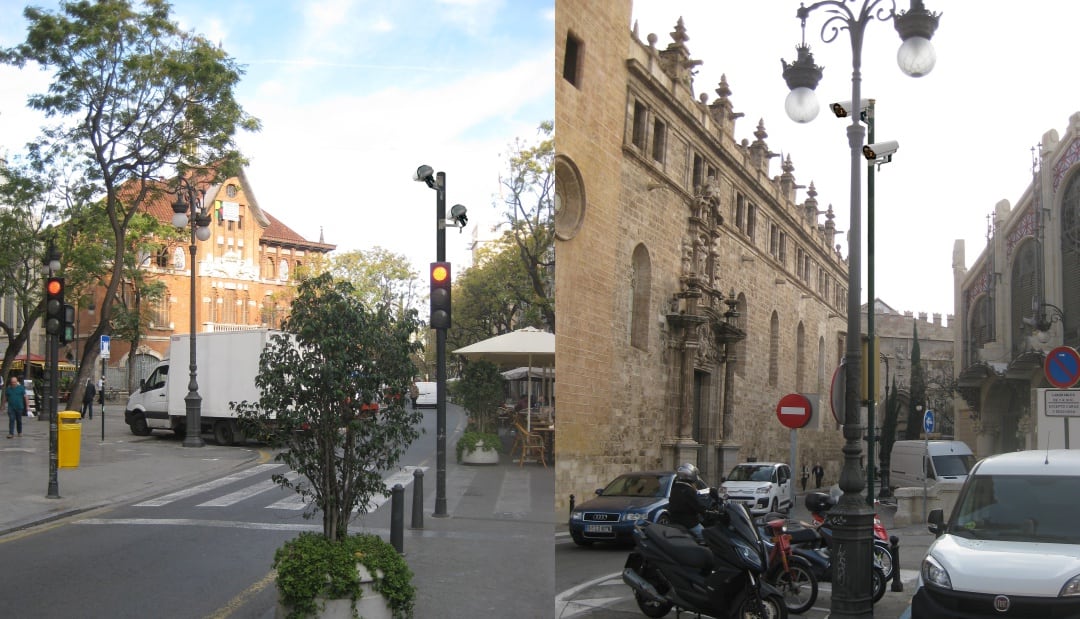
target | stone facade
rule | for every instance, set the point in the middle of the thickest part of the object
(693, 291)
(1019, 300)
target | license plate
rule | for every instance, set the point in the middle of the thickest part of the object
(598, 528)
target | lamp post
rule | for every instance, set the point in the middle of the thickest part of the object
(52, 388)
(852, 519)
(189, 199)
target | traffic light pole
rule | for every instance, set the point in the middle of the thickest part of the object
(440, 358)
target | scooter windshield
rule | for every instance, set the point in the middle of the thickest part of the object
(741, 523)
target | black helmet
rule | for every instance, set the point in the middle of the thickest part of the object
(686, 472)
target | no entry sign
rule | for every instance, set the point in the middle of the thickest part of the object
(793, 411)
(1062, 367)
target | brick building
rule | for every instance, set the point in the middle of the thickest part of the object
(693, 290)
(243, 275)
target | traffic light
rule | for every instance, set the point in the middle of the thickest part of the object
(440, 295)
(67, 334)
(54, 306)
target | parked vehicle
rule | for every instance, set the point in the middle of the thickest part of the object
(760, 486)
(912, 461)
(1011, 547)
(722, 578)
(814, 543)
(227, 364)
(425, 395)
(819, 503)
(791, 574)
(629, 498)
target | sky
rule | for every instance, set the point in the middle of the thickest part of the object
(353, 96)
(1003, 78)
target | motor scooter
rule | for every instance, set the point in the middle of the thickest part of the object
(721, 578)
(791, 574)
(819, 503)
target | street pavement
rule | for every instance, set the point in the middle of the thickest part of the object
(606, 597)
(493, 549)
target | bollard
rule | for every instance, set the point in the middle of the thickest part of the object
(418, 499)
(397, 517)
(894, 548)
(571, 503)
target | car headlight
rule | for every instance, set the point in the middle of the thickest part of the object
(576, 515)
(762, 490)
(1072, 587)
(632, 517)
(933, 573)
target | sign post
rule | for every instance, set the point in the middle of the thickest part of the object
(105, 341)
(928, 427)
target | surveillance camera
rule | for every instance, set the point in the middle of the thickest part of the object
(457, 213)
(843, 108)
(425, 174)
(880, 152)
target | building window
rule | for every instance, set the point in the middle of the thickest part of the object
(741, 322)
(659, 144)
(572, 60)
(740, 213)
(697, 178)
(751, 220)
(283, 271)
(640, 120)
(641, 290)
(782, 255)
(268, 268)
(159, 311)
(774, 240)
(800, 359)
(161, 260)
(774, 350)
(179, 259)
(230, 190)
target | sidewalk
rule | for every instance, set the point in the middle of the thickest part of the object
(120, 468)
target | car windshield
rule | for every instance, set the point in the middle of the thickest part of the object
(640, 485)
(1019, 508)
(751, 472)
(947, 466)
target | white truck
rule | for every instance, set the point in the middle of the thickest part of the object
(227, 364)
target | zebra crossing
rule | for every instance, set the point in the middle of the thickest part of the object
(262, 472)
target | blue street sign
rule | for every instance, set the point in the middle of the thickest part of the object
(928, 421)
(105, 346)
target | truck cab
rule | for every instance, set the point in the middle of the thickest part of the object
(148, 408)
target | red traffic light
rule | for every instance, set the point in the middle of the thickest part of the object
(54, 286)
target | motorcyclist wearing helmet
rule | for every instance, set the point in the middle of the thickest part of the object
(685, 506)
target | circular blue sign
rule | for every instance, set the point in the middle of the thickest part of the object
(1062, 367)
(928, 421)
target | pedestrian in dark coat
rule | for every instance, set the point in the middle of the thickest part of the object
(818, 474)
(88, 399)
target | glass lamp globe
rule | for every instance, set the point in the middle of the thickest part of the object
(202, 233)
(179, 219)
(801, 105)
(916, 56)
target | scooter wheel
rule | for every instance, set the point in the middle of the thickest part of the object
(879, 582)
(798, 585)
(769, 607)
(650, 608)
(883, 559)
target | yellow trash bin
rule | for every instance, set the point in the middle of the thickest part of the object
(68, 438)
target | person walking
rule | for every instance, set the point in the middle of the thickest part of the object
(17, 404)
(805, 477)
(88, 399)
(818, 474)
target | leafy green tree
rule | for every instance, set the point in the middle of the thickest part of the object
(135, 99)
(481, 390)
(494, 296)
(379, 276)
(529, 207)
(336, 354)
(917, 387)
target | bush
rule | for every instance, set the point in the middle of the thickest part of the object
(480, 391)
(311, 565)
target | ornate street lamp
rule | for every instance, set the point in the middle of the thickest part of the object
(852, 519)
(189, 199)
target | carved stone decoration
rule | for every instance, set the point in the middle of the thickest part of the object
(687, 257)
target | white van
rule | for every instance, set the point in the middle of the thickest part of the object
(1011, 546)
(425, 395)
(909, 464)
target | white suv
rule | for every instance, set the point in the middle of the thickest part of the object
(761, 486)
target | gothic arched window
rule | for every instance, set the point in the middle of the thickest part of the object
(641, 286)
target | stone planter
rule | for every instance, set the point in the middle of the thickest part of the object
(480, 455)
(370, 605)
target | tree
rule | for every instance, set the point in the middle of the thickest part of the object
(379, 276)
(335, 355)
(529, 208)
(481, 391)
(494, 296)
(917, 387)
(136, 99)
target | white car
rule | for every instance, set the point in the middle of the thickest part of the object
(425, 395)
(760, 486)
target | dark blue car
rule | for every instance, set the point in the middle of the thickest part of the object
(617, 508)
